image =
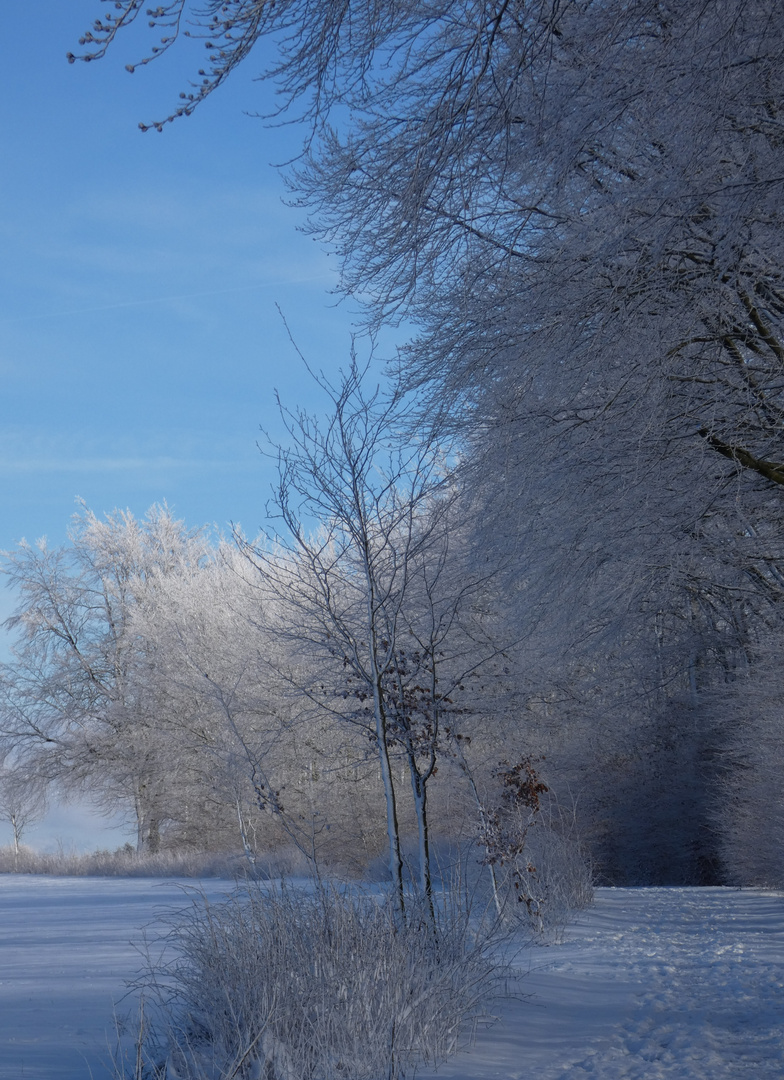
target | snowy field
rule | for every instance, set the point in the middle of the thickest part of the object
(648, 983)
(67, 945)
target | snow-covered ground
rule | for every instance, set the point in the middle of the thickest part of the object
(67, 945)
(648, 984)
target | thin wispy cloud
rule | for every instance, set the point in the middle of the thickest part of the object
(159, 300)
(117, 464)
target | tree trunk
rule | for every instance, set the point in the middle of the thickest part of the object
(148, 829)
(17, 837)
(419, 788)
(393, 829)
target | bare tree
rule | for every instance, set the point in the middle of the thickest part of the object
(365, 592)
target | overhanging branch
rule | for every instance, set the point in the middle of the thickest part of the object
(771, 470)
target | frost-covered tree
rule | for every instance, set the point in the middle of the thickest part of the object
(580, 202)
(76, 693)
(22, 801)
(199, 658)
(215, 652)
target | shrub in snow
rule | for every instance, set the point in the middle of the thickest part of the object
(548, 881)
(537, 867)
(283, 983)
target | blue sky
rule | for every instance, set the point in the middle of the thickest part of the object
(140, 344)
(139, 338)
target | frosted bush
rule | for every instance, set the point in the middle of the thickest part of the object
(281, 983)
(549, 881)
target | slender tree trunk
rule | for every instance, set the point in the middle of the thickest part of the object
(393, 828)
(419, 788)
(17, 838)
(379, 711)
(248, 850)
(466, 770)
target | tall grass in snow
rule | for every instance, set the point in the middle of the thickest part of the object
(281, 983)
(126, 862)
